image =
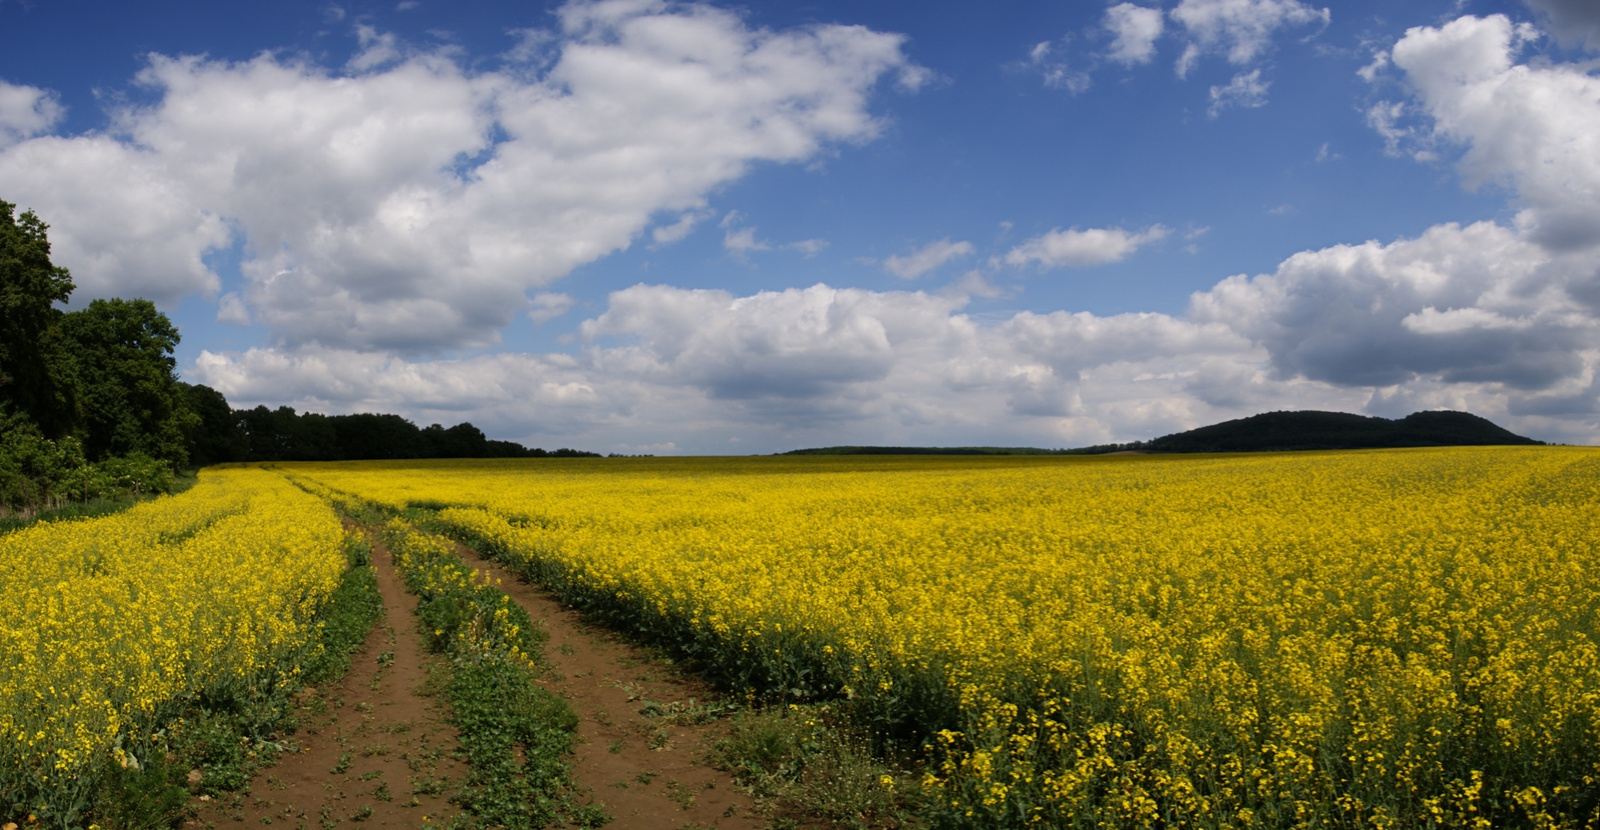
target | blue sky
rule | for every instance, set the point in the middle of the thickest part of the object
(684, 228)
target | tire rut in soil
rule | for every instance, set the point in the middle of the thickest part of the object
(649, 771)
(372, 750)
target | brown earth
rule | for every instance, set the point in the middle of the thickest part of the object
(372, 749)
(639, 751)
(377, 750)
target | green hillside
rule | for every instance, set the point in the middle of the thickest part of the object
(1267, 432)
(1313, 430)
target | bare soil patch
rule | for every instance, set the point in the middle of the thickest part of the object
(643, 732)
(377, 750)
(371, 750)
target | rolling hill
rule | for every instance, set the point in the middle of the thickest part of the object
(1267, 432)
(1313, 430)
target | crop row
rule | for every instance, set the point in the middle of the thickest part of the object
(1356, 639)
(113, 626)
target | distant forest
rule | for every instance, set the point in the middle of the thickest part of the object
(225, 434)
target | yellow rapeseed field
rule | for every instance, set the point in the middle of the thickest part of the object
(1391, 638)
(108, 625)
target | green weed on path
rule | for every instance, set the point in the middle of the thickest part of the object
(516, 736)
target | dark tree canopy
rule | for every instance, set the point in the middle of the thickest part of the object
(102, 375)
(30, 286)
(216, 438)
(371, 435)
(460, 441)
(129, 396)
(284, 435)
(90, 406)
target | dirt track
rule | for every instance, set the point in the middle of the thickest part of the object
(372, 749)
(649, 770)
(377, 751)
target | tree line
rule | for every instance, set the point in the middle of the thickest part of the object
(91, 405)
(281, 434)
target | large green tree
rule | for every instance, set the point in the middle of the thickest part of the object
(129, 396)
(30, 346)
(217, 438)
(103, 376)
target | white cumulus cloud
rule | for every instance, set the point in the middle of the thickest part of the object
(1535, 128)
(1245, 90)
(1240, 29)
(1080, 248)
(1134, 30)
(26, 111)
(779, 369)
(412, 203)
(926, 258)
(1431, 320)
(118, 220)
(1462, 317)
(739, 242)
(1502, 319)
(1370, 314)
(679, 229)
(377, 49)
(808, 247)
(548, 306)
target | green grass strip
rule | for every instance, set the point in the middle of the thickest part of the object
(352, 611)
(515, 735)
